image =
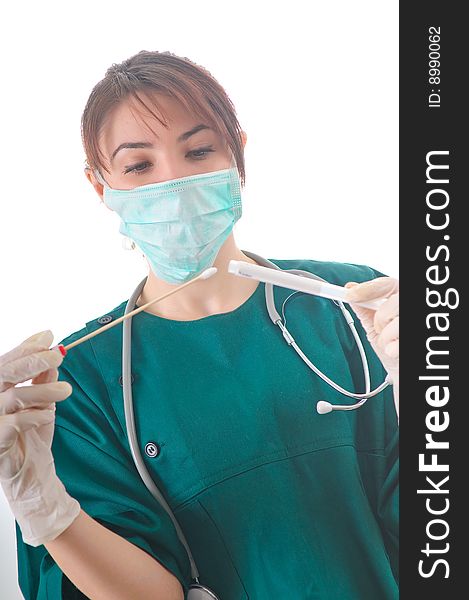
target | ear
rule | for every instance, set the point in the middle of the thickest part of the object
(244, 137)
(95, 183)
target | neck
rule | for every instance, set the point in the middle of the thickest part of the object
(223, 292)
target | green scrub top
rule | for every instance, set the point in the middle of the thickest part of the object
(275, 500)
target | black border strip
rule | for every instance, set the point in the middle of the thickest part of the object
(433, 251)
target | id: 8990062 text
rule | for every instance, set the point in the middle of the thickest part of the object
(434, 72)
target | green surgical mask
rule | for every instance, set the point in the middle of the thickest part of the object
(180, 224)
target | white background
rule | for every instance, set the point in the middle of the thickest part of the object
(315, 85)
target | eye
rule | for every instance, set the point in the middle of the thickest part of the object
(141, 167)
(195, 153)
(137, 168)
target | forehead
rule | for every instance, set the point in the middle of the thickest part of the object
(130, 121)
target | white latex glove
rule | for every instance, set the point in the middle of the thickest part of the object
(38, 499)
(382, 325)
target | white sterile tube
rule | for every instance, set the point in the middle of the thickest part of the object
(295, 282)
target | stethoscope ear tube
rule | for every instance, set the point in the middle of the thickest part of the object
(322, 407)
(131, 430)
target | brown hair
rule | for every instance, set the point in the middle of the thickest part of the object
(167, 73)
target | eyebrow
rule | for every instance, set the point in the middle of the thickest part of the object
(182, 138)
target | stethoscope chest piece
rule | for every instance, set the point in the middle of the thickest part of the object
(200, 592)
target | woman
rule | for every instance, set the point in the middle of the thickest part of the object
(274, 500)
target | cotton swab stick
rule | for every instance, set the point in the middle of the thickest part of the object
(204, 275)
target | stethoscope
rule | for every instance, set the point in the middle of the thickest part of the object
(196, 590)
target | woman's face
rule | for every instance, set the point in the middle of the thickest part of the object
(140, 150)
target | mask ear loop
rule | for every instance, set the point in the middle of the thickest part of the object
(233, 162)
(235, 188)
(99, 177)
(127, 243)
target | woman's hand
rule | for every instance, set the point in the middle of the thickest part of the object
(37, 497)
(381, 326)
